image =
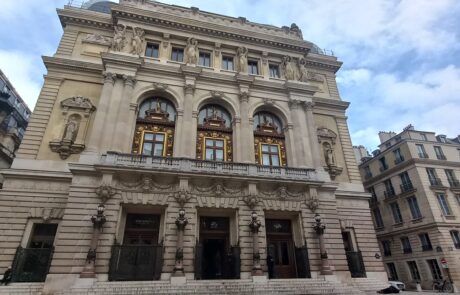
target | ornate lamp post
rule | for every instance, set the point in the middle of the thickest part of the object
(181, 223)
(319, 227)
(255, 226)
(98, 221)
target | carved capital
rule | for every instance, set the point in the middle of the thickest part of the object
(309, 105)
(109, 77)
(294, 104)
(105, 192)
(189, 88)
(244, 96)
(129, 80)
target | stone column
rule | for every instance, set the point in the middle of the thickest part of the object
(311, 126)
(181, 223)
(300, 133)
(121, 135)
(178, 133)
(101, 113)
(255, 226)
(132, 116)
(89, 271)
(111, 119)
(247, 135)
(186, 129)
(237, 142)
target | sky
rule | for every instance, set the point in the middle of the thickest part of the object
(401, 58)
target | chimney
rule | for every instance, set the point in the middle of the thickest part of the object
(384, 136)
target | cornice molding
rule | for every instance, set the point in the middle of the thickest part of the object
(196, 26)
(331, 104)
(71, 64)
(84, 17)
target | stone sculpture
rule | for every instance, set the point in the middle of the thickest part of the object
(118, 41)
(303, 72)
(289, 68)
(137, 41)
(242, 54)
(191, 51)
(71, 130)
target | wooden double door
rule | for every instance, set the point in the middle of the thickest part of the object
(284, 260)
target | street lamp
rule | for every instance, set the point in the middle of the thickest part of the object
(98, 221)
(319, 228)
(181, 223)
(255, 225)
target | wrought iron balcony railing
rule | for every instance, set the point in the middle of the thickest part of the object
(389, 193)
(454, 183)
(406, 187)
(435, 181)
(186, 165)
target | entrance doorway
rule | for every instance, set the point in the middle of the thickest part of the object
(281, 255)
(140, 255)
(214, 257)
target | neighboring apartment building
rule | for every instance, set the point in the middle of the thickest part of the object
(14, 116)
(413, 179)
(209, 144)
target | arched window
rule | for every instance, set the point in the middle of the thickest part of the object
(214, 140)
(155, 123)
(269, 144)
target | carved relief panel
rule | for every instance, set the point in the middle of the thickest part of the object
(76, 111)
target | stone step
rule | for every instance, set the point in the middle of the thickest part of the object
(22, 289)
(221, 287)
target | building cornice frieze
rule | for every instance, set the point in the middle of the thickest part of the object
(84, 17)
(71, 64)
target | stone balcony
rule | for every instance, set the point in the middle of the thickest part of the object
(192, 166)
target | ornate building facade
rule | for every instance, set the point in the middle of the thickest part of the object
(413, 179)
(178, 145)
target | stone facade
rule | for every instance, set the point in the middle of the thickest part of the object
(281, 151)
(415, 173)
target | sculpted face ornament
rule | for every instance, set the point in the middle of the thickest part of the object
(105, 192)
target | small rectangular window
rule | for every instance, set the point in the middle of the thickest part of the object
(383, 164)
(152, 50)
(423, 135)
(414, 270)
(389, 189)
(270, 154)
(153, 144)
(274, 71)
(43, 235)
(406, 183)
(425, 241)
(378, 218)
(386, 248)
(452, 179)
(439, 153)
(177, 54)
(421, 151)
(455, 238)
(435, 270)
(214, 149)
(406, 246)
(414, 208)
(443, 204)
(433, 177)
(253, 67)
(204, 59)
(398, 156)
(397, 217)
(227, 63)
(392, 272)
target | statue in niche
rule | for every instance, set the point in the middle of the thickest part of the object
(71, 130)
(191, 51)
(137, 41)
(329, 154)
(118, 41)
(288, 67)
(242, 53)
(303, 72)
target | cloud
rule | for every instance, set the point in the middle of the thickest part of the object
(20, 69)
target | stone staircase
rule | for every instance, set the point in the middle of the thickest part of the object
(22, 289)
(367, 285)
(221, 287)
